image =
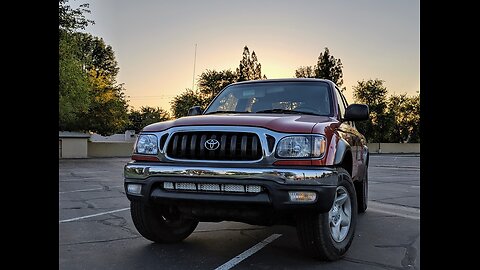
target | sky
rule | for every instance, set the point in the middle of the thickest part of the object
(154, 41)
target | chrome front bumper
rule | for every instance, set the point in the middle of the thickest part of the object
(136, 171)
(276, 183)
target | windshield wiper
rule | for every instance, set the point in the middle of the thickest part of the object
(214, 112)
(286, 111)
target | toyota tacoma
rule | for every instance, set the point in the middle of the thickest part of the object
(264, 152)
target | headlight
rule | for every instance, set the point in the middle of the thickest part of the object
(147, 144)
(301, 147)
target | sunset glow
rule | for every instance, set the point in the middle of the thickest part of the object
(154, 41)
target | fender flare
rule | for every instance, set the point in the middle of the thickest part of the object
(342, 148)
(366, 155)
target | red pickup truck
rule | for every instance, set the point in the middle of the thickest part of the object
(264, 152)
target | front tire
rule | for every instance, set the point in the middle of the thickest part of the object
(160, 224)
(327, 236)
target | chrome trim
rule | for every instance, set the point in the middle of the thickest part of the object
(316, 176)
(268, 157)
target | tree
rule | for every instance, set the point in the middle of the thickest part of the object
(184, 101)
(74, 86)
(211, 82)
(90, 99)
(381, 122)
(72, 19)
(108, 109)
(413, 121)
(327, 67)
(305, 72)
(146, 116)
(396, 119)
(249, 67)
(371, 92)
(330, 68)
(396, 106)
(406, 111)
(97, 55)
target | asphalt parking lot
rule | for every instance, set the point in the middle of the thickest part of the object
(96, 230)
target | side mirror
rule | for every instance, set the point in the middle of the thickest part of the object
(195, 110)
(356, 112)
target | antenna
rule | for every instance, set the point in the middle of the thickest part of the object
(194, 61)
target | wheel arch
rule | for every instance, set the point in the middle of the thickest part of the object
(343, 156)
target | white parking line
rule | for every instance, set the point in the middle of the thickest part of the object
(82, 190)
(69, 172)
(247, 253)
(94, 215)
(394, 210)
(406, 168)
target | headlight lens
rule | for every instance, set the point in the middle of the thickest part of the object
(301, 147)
(147, 144)
(295, 146)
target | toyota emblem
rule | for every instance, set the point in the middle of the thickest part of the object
(212, 144)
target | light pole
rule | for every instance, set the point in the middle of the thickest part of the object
(194, 61)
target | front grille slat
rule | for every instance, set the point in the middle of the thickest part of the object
(183, 148)
(193, 144)
(244, 146)
(175, 143)
(223, 145)
(232, 146)
(254, 146)
(202, 145)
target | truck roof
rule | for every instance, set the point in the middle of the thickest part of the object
(284, 80)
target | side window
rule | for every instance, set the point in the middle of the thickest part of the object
(344, 100)
(341, 102)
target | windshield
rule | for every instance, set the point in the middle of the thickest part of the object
(274, 97)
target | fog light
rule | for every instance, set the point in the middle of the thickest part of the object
(168, 185)
(134, 189)
(253, 188)
(302, 196)
(233, 188)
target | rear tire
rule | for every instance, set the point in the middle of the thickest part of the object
(160, 224)
(316, 231)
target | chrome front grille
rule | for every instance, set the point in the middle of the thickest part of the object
(214, 145)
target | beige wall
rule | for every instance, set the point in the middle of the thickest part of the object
(73, 147)
(394, 148)
(373, 147)
(110, 149)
